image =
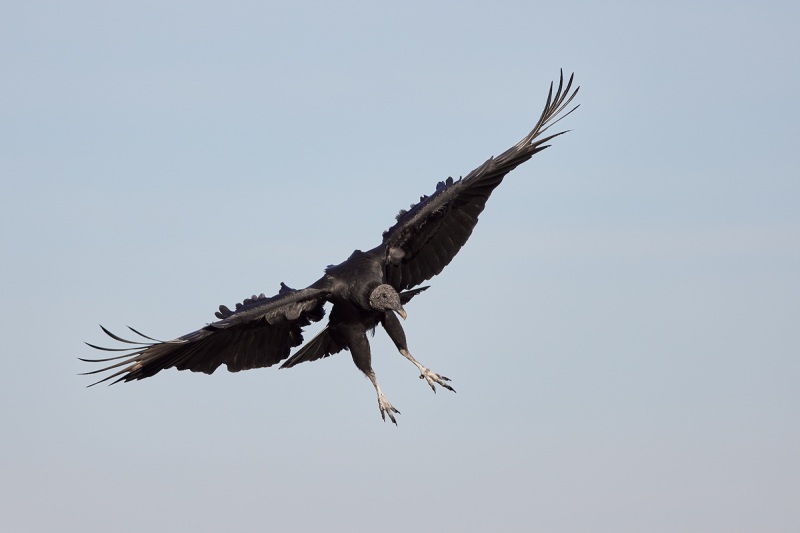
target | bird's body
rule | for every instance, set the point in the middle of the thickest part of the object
(354, 279)
(366, 290)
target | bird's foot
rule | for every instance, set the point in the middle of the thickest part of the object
(386, 408)
(432, 377)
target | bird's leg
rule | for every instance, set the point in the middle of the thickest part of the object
(362, 357)
(383, 404)
(427, 374)
(395, 330)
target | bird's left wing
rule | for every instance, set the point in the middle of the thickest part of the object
(260, 332)
(427, 237)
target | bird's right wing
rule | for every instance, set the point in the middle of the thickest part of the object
(429, 235)
(260, 332)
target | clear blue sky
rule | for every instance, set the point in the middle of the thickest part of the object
(623, 327)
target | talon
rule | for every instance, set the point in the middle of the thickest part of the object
(433, 377)
(391, 416)
(387, 409)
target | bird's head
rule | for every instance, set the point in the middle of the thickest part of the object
(385, 298)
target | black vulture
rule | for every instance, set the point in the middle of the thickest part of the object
(367, 289)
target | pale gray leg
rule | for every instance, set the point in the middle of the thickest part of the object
(383, 404)
(428, 375)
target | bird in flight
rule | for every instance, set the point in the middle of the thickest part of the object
(367, 289)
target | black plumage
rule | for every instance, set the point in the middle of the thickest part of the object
(366, 290)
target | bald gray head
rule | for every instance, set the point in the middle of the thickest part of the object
(385, 298)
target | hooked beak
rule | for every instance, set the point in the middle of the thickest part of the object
(402, 313)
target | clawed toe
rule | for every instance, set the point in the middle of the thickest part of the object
(432, 377)
(387, 409)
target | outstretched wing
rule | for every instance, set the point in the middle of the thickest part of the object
(260, 332)
(427, 237)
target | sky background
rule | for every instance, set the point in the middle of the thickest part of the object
(623, 327)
